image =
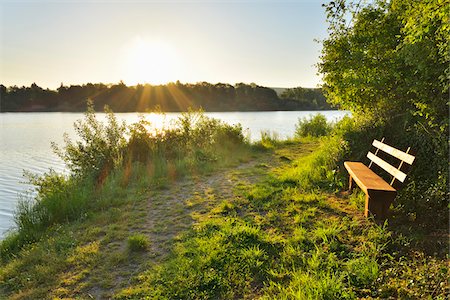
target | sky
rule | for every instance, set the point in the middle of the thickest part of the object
(270, 43)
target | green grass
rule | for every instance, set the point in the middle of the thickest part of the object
(138, 242)
(260, 231)
(277, 240)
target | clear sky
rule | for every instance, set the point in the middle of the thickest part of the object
(270, 43)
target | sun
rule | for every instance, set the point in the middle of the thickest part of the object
(151, 62)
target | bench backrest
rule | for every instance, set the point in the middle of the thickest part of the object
(396, 172)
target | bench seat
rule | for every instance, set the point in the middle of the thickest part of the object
(366, 179)
(379, 193)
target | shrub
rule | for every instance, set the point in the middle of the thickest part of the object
(425, 193)
(313, 126)
(192, 138)
(139, 147)
(138, 242)
(99, 148)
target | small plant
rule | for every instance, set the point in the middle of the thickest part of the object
(269, 139)
(362, 271)
(138, 242)
(314, 126)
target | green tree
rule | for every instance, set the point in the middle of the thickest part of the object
(388, 62)
(308, 98)
(392, 59)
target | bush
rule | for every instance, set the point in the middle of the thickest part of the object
(192, 138)
(140, 142)
(313, 126)
(138, 242)
(407, 101)
(99, 148)
(425, 193)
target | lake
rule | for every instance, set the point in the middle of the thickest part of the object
(25, 143)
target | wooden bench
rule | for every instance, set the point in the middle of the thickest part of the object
(379, 193)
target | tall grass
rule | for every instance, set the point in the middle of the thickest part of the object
(108, 157)
(322, 169)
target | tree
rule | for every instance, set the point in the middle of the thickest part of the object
(390, 67)
(307, 98)
(392, 60)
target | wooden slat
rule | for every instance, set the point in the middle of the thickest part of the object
(366, 179)
(400, 166)
(376, 152)
(403, 156)
(387, 167)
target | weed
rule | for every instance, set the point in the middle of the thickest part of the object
(269, 139)
(138, 242)
(104, 164)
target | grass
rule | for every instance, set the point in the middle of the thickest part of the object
(138, 242)
(103, 162)
(243, 242)
(274, 239)
(258, 229)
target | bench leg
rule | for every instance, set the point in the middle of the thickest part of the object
(366, 206)
(350, 183)
(378, 206)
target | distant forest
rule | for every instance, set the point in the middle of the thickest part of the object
(172, 97)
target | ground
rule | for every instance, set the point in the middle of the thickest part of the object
(296, 235)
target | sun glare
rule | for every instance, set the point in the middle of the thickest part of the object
(149, 62)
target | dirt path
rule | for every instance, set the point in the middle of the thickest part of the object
(169, 213)
(172, 211)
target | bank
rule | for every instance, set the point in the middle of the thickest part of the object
(256, 227)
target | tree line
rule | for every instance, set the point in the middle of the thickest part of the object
(171, 97)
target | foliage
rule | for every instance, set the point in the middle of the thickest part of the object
(99, 148)
(192, 138)
(390, 60)
(390, 67)
(309, 98)
(315, 126)
(170, 97)
(138, 242)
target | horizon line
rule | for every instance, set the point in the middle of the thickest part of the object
(152, 84)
